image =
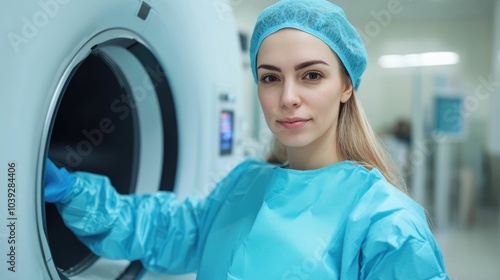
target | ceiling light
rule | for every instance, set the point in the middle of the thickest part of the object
(417, 60)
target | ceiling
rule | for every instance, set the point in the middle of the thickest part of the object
(415, 10)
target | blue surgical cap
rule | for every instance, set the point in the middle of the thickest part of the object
(320, 18)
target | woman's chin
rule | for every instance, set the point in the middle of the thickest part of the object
(293, 141)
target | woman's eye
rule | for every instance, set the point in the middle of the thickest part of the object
(313, 76)
(269, 78)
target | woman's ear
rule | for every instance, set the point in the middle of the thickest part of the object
(347, 92)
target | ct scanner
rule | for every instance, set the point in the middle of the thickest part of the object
(144, 91)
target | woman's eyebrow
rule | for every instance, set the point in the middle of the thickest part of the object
(309, 63)
(269, 67)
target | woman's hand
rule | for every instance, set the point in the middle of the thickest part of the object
(58, 182)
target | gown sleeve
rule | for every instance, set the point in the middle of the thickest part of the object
(398, 243)
(395, 249)
(165, 234)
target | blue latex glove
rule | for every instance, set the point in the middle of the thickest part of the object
(58, 182)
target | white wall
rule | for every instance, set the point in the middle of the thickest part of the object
(246, 16)
(386, 93)
(245, 19)
(495, 120)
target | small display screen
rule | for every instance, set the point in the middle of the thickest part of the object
(226, 127)
(449, 115)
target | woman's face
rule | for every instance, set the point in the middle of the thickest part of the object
(301, 86)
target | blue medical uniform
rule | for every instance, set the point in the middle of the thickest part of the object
(263, 222)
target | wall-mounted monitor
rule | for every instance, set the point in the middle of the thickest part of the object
(226, 129)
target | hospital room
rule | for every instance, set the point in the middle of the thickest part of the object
(239, 139)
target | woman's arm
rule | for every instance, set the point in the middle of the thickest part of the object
(398, 247)
(165, 234)
(155, 228)
(387, 237)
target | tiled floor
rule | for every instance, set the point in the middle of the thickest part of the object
(473, 253)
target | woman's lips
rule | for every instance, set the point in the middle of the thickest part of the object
(293, 123)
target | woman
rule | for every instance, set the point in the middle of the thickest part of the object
(331, 211)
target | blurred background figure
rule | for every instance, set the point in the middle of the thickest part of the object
(397, 141)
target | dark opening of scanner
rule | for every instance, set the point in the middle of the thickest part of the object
(96, 129)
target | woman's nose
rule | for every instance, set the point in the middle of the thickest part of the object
(290, 97)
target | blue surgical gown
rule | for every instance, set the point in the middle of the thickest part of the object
(263, 222)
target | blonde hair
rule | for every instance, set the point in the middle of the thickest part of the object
(356, 141)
